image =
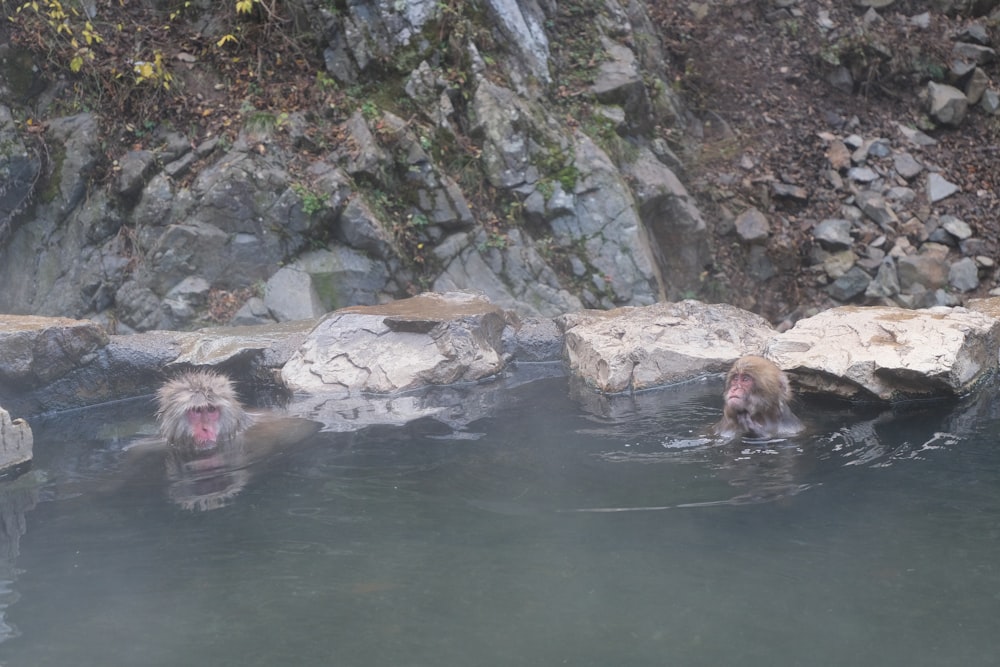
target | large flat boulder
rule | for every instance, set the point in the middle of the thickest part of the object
(37, 350)
(889, 354)
(430, 339)
(638, 348)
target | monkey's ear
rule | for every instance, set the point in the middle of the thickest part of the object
(786, 389)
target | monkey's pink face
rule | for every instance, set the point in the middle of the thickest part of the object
(739, 391)
(204, 424)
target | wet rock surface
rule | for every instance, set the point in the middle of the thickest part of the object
(449, 356)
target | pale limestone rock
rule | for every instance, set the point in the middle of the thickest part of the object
(884, 353)
(638, 348)
(430, 339)
(15, 442)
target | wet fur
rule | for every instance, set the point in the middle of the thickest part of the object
(766, 412)
(199, 389)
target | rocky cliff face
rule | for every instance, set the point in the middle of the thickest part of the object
(308, 155)
(514, 148)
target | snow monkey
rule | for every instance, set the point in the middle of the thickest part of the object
(199, 409)
(756, 401)
(213, 445)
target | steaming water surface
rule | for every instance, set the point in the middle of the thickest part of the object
(561, 530)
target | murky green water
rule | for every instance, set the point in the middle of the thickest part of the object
(873, 541)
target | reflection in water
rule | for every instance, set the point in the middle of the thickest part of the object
(17, 497)
(869, 540)
(205, 480)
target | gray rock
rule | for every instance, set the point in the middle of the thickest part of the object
(915, 137)
(975, 53)
(522, 23)
(873, 205)
(976, 85)
(956, 227)
(854, 282)
(963, 275)
(670, 215)
(975, 33)
(839, 263)
(343, 277)
(901, 194)
(533, 340)
(906, 165)
(135, 167)
(886, 282)
(37, 350)
(790, 191)
(254, 311)
(619, 81)
(834, 234)
(290, 295)
(946, 105)
(939, 188)
(752, 226)
(862, 174)
(759, 264)
(990, 102)
(512, 275)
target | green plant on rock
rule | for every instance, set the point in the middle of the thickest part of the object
(312, 202)
(418, 220)
(558, 165)
(370, 110)
(494, 240)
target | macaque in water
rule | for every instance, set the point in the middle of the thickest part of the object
(199, 409)
(756, 401)
(212, 441)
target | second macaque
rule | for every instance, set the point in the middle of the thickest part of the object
(211, 440)
(757, 397)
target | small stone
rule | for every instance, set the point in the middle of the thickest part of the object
(862, 174)
(921, 21)
(956, 227)
(752, 226)
(900, 194)
(964, 275)
(849, 285)
(976, 86)
(975, 33)
(939, 188)
(837, 264)
(990, 102)
(886, 282)
(947, 105)
(834, 234)
(880, 148)
(976, 53)
(906, 165)
(854, 141)
(790, 191)
(914, 136)
(875, 207)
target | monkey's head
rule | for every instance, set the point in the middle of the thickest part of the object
(199, 409)
(756, 385)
